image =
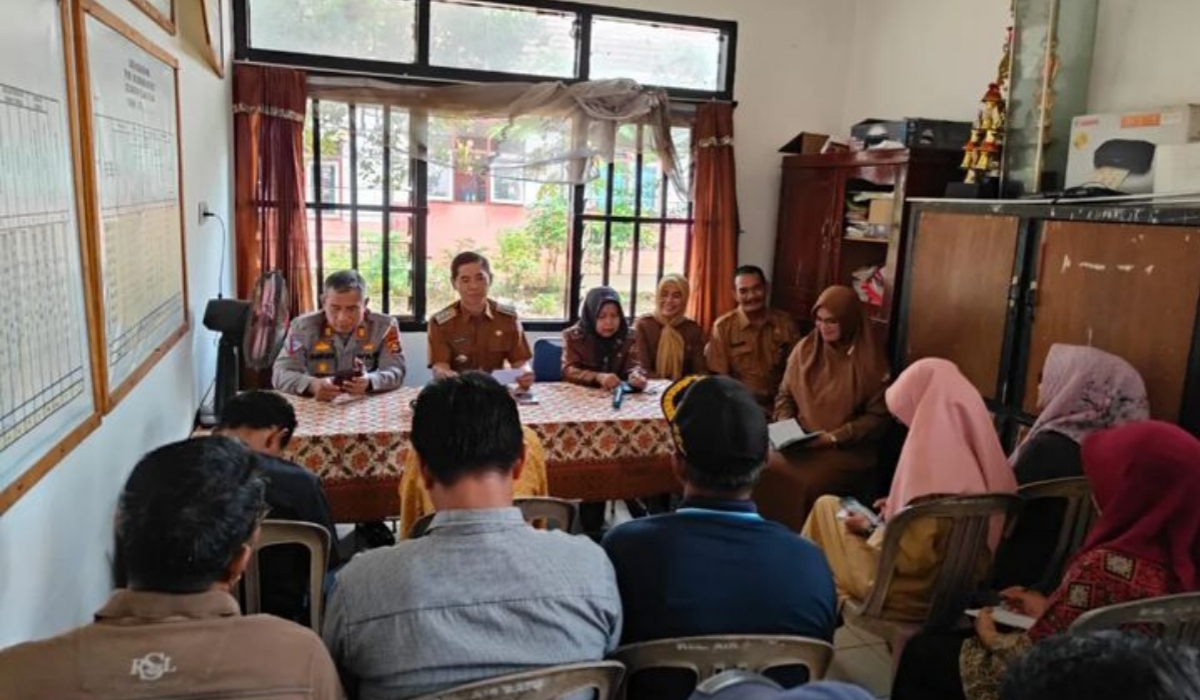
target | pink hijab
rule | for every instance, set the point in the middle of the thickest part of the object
(1084, 390)
(952, 447)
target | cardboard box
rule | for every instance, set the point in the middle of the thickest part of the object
(880, 212)
(1177, 169)
(912, 133)
(805, 143)
(1120, 151)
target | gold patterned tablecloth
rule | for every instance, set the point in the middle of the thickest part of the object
(593, 452)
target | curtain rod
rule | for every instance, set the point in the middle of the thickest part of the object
(424, 80)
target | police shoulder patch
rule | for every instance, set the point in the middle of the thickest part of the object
(446, 314)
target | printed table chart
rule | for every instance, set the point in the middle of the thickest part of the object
(593, 452)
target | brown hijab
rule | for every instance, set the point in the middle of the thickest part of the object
(836, 380)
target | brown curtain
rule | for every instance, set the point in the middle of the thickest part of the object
(268, 124)
(714, 236)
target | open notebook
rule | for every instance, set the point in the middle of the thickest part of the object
(788, 433)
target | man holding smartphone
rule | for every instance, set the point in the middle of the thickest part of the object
(343, 348)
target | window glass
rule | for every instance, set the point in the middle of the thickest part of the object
(377, 30)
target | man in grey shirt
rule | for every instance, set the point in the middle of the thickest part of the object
(482, 594)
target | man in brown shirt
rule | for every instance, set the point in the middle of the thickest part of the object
(475, 332)
(752, 342)
(186, 525)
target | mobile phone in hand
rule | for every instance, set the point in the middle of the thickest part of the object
(853, 507)
(345, 375)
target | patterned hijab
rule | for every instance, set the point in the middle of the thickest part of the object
(952, 447)
(668, 358)
(1084, 390)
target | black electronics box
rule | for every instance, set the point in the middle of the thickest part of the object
(930, 134)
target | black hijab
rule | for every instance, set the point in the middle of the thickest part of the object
(596, 298)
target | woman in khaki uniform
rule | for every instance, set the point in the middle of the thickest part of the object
(670, 345)
(833, 383)
(600, 350)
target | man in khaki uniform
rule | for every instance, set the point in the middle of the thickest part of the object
(752, 342)
(187, 522)
(475, 332)
(343, 348)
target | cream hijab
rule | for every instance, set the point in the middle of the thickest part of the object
(669, 357)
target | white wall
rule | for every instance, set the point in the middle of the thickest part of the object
(788, 80)
(1146, 55)
(55, 542)
(934, 58)
(922, 58)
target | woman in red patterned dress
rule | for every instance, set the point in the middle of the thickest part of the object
(1145, 478)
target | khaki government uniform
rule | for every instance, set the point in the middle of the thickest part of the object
(648, 331)
(755, 354)
(580, 363)
(313, 350)
(482, 341)
(157, 645)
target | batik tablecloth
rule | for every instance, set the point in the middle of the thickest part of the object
(593, 452)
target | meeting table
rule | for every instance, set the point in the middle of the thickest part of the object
(594, 451)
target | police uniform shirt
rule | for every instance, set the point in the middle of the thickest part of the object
(483, 341)
(160, 645)
(314, 350)
(753, 353)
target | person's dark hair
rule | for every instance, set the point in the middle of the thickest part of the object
(750, 270)
(467, 258)
(466, 424)
(1108, 665)
(185, 512)
(259, 410)
(344, 281)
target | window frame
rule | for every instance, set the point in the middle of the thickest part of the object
(423, 70)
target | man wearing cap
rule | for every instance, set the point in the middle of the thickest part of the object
(752, 342)
(714, 566)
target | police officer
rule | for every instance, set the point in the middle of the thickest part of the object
(343, 348)
(475, 332)
(752, 342)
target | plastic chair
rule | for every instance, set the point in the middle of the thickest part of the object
(313, 537)
(1077, 520)
(562, 513)
(707, 656)
(1172, 617)
(547, 359)
(957, 577)
(550, 683)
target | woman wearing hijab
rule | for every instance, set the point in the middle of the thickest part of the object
(1146, 543)
(833, 383)
(670, 344)
(600, 349)
(951, 449)
(1082, 390)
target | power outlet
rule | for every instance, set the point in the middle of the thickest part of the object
(203, 212)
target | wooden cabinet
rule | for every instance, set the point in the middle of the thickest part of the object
(812, 247)
(992, 286)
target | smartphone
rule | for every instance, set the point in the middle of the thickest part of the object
(853, 507)
(345, 375)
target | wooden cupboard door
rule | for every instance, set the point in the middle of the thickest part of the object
(802, 255)
(961, 272)
(1129, 289)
